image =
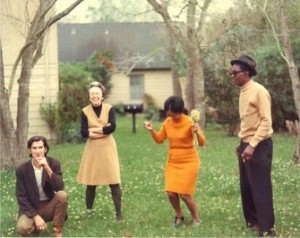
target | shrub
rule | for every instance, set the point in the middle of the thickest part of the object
(72, 97)
(274, 75)
(151, 110)
(48, 112)
(119, 109)
(100, 67)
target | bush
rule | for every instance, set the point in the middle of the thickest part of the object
(119, 109)
(100, 67)
(48, 112)
(72, 97)
(274, 75)
(151, 110)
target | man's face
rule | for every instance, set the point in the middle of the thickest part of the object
(38, 150)
(238, 76)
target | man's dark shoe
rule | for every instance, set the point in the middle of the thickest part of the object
(253, 227)
(270, 233)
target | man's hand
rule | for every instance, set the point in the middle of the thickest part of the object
(43, 162)
(248, 152)
(40, 223)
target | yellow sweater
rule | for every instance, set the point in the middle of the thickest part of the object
(255, 113)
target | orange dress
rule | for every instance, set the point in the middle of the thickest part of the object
(183, 163)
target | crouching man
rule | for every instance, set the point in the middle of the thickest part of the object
(39, 191)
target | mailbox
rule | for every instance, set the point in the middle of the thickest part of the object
(133, 109)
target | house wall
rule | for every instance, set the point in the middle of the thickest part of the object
(44, 79)
(158, 84)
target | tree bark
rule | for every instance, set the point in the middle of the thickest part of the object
(293, 71)
(177, 90)
(7, 131)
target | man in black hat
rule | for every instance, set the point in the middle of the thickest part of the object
(255, 149)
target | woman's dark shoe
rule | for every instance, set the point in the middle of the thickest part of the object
(119, 216)
(89, 213)
(178, 221)
(196, 223)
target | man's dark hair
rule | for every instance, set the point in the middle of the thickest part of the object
(174, 104)
(35, 139)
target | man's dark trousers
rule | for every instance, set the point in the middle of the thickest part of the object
(256, 186)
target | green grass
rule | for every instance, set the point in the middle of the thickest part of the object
(146, 210)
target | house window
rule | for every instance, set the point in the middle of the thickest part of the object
(136, 86)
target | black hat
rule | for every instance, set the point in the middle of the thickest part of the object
(248, 62)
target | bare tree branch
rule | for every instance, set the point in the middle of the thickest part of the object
(37, 35)
(126, 66)
(203, 16)
(264, 7)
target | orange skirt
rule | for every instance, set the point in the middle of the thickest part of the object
(182, 170)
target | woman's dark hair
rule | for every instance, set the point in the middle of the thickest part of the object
(35, 139)
(174, 104)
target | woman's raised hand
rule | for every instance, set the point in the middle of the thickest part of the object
(148, 125)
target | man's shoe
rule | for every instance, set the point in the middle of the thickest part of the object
(57, 231)
(253, 227)
(270, 233)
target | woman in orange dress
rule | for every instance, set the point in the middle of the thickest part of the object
(183, 163)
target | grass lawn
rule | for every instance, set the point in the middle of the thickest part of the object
(146, 210)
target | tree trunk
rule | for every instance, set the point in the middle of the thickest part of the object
(195, 83)
(177, 90)
(8, 143)
(23, 103)
(293, 71)
(195, 76)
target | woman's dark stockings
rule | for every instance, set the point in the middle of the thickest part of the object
(116, 197)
